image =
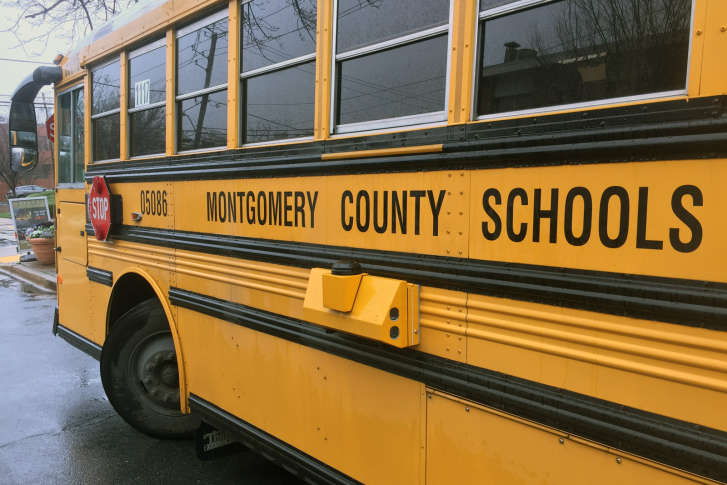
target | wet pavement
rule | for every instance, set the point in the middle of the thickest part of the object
(7, 239)
(56, 426)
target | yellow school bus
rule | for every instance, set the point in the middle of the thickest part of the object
(406, 241)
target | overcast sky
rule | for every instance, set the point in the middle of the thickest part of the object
(11, 73)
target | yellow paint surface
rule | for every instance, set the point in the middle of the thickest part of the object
(362, 421)
(327, 196)
(467, 444)
(666, 369)
(661, 180)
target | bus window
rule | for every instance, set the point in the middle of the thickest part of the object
(70, 137)
(568, 51)
(105, 110)
(278, 70)
(147, 99)
(391, 62)
(65, 145)
(202, 84)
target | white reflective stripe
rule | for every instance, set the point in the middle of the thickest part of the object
(418, 119)
(201, 92)
(160, 104)
(585, 104)
(406, 39)
(187, 29)
(148, 48)
(105, 63)
(106, 113)
(279, 65)
(278, 141)
(510, 7)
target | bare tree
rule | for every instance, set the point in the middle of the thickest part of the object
(36, 20)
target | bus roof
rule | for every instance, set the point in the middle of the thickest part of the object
(134, 24)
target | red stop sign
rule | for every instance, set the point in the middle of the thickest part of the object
(50, 128)
(99, 208)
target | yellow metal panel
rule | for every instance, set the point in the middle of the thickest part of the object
(71, 231)
(73, 298)
(461, 60)
(124, 103)
(646, 206)
(324, 45)
(434, 220)
(154, 201)
(669, 223)
(468, 444)
(666, 369)
(362, 421)
(71, 195)
(715, 44)
(443, 323)
(98, 302)
(233, 74)
(171, 110)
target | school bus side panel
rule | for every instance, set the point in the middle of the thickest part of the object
(360, 420)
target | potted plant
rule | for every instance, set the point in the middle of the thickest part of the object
(42, 238)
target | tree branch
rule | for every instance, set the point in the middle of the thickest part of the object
(88, 16)
(45, 10)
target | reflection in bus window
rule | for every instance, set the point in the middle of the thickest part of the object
(147, 99)
(391, 61)
(576, 51)
(278, 45)
(202, 87)
(78, 138)
(70, 136)
(106, 88)
(105, 110)
(365, 22)
(65, 145)
(277, 107)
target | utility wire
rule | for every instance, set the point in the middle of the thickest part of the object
(26, 61)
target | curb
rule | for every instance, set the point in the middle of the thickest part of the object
(38, 279)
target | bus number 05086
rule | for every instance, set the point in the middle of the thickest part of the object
(154, 202)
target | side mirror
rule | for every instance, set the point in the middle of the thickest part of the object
(23, 126)
(23, 137)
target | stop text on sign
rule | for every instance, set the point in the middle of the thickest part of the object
(99, 208)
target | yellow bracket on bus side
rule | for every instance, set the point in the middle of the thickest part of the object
(382, 309)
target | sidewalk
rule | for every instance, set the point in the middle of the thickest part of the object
(41, 276)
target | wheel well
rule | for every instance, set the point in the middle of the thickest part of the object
(129, 291)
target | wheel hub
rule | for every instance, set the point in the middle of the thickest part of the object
(160, 378)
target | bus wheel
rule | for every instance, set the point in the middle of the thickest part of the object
(140, 375)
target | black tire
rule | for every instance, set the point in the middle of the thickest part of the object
(140, 375)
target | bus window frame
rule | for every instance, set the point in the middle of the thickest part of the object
(57, 146)
(188, 29)
(157, 44)
(288, 63)
(89, 107)
(420, 120)
(515, 6)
